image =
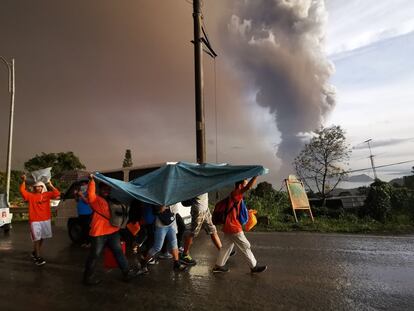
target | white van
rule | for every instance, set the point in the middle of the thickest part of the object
(67, 207)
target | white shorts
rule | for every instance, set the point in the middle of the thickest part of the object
(40, 230)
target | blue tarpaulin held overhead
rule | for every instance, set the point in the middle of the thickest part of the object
(175, 183)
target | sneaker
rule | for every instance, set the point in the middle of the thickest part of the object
(143, 270)
(152, 261)
(165, 255)
(233, 252)
(33, 256)
(258, 269)
(39, 261)
(187, 260)
(181, 249)
(179, 267)
(222, 269)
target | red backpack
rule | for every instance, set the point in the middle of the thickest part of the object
(221, 210)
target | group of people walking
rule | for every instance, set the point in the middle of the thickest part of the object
(95, 210)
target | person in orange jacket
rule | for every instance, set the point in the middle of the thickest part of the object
(39, 215)
(233, 232)
(103, 234)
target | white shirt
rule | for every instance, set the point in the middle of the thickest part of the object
(201, 203)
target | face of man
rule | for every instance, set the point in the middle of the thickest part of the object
(104, 190)
(38, 189)
(83, 187)
(242, 184)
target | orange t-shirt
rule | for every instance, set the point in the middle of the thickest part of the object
(39, 203)
(100, 225)
(232, 224)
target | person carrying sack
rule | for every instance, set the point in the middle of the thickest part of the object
(233, 231)
(39, 214)
(102, 234)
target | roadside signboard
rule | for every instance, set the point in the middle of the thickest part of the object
(297, 195)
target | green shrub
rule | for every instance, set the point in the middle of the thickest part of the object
(378, 203)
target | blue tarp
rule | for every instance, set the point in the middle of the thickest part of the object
(175, 183)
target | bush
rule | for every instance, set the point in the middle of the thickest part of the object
(378, 202)
(401, 201)
(271, 203)
(15, 181)
(385, 202)
(387, 209)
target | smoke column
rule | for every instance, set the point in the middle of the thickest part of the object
(279, 45)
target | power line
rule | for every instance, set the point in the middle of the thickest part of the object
(368, 168)
(380, 166)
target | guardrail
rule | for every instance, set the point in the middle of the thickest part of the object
(19, 210)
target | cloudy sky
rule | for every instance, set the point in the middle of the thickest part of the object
(371, 44)
(98, 77)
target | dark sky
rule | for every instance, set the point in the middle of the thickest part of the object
(98, 77)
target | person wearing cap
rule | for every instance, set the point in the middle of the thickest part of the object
(39, 215)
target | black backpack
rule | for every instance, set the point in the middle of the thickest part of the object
(119, 214)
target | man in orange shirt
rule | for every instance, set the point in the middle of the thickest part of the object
(233, 231)
(39, 215)
(103, 234)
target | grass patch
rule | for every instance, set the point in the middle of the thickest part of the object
(345, 224)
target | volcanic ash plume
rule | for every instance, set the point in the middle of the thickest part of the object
(279, 44)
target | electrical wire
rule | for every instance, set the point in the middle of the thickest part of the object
(379, 166)
(370, 168)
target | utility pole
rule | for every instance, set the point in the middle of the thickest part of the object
(198, 71)
(12, 84)
(371, 157)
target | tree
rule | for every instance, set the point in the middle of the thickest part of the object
(60, 162)
(127, 159)
(409, 180)
(263, 189)
(323, 158)
(15, 180)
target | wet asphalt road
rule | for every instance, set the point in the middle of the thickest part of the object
(305, 272)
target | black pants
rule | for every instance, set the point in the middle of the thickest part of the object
(98, 243)
(85, 222)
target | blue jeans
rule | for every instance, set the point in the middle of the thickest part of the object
(97, 245)
(162, 233)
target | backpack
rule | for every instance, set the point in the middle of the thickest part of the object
(222, 209)
(220, 212)
(119, 214)
(166, 217)
(243, 213)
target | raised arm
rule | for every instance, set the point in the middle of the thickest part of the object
(25, 194)
(55, 193)
(91, 189)
(249, 185)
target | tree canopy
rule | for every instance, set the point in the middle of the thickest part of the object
(60, 162)
(322, 161)
(127, 159)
